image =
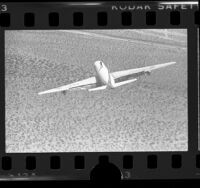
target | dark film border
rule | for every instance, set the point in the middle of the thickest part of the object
(164, 164)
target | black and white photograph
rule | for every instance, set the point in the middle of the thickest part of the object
(117, 90)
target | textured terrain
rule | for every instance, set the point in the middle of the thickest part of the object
(147, 115)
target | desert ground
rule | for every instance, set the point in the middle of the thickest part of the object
(147, 115)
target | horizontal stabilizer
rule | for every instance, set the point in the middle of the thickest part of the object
(98, 88)
(124, 82)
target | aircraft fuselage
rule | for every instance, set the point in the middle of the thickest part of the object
(103, 74)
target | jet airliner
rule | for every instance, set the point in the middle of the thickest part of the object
(105, 79)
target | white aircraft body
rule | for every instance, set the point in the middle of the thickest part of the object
(105, 79)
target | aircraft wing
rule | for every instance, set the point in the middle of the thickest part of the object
(137, 71)
(83, 84)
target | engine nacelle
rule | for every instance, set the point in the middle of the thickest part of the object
(148, 73)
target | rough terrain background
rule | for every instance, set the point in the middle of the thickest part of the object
(147, 115)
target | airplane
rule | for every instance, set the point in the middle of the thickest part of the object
(105, 79)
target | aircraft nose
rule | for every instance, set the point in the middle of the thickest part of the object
(98, 65)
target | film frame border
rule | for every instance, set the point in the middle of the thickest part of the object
(77, 166)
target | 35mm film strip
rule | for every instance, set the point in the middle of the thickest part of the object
(99, 89)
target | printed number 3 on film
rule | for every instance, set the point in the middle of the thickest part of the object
(3, 8)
